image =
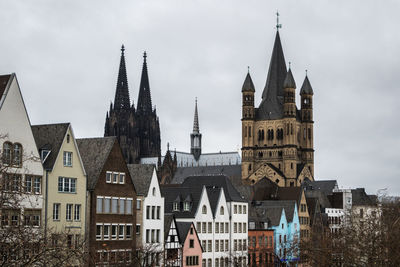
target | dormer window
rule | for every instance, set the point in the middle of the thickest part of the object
(186, 206)
(176, 206)
(44, 154)
(204, 209)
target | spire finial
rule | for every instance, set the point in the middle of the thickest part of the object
(145, 55)
(306, 72)
(290, 63)
(168, 146)
(196, 128)
(248, 69)
(278, 26)
(122, 48)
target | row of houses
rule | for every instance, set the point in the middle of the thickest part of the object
(81, 194)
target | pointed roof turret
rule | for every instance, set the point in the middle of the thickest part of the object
(144, 100)
(272, 97)
(196, 127)
(248, 85)
(306, 88)
(289, 80)
(122, 100)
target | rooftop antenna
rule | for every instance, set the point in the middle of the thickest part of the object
(278, 26)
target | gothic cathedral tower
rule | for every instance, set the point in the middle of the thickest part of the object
(138, 131)
(277, 138)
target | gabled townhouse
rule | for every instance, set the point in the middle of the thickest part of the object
(283, 219)
(261, 240)
(150, 214)
(182, 244)
(111, 201)
(219, 213)
(21, 181)
(64, 175)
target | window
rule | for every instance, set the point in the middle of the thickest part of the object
(16, 182)
(7, 153)
(158, 212)
(77, 212)
(191, 230)
(176, 206)
(129, 205)
(99, 205)
(114, 205)
(122, 178)
(106, 231)
(226, 245)
(66, 185)
(107, 204)
(222, 228)
(114, 231)
(216, 227)
(37, 185)
(235, 209)
(67, 159)
(17, 155)
(153, 210)
(138, 204)
(122, 205)
(68, 213)
(226, 228)
(154, 191)
(216, 245)
(244, 209)
(235, 227)
(221, 211)
(186, 206)
(115, 177)
(204, 209)
(138, 229)
(209, 246)
(209, 227)
(28, 184)
(121, 231)
(240, 227)
(108, 177)
(128, 234)
(56, 211)
(240, 209)
(147, 212)
(198, 226)
(204, 228)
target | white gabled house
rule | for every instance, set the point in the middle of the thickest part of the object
(21, 170)
(150, 213)
(219, 214)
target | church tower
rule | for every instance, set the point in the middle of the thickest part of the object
(138, 131)
(195, 136)
(277, 138)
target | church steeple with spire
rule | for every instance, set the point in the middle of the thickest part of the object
(138, 131)
(277, 141)
(195, 136)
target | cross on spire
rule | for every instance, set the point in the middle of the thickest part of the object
(278, 26)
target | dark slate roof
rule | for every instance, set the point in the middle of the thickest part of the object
(183, 172)
(231, 194)
(171, 193)
(288, 205)
(248, 85)
(94, 153)
(290, 193)
(265, 189)
(313, 208)
(213, 195)
(260, 212)
(183, 229)
(306, 87)
(271, 106)
(360, 198)
(326, 186)
(50, 137)
(168, 218)
(321, 196)
(141, 175)
(289, 80)
(4, 80)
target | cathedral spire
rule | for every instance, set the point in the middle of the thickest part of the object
(196, 127)
(144, 101)
(122, 100)
(272, 96)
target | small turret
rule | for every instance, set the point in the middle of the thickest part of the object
(248, 91)
(306, 94)
(289, 99)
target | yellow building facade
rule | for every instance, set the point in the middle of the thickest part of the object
(277, 138)
(64, 182)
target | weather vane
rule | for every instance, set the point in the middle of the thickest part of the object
(278, 26)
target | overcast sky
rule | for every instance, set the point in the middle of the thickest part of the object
(66, 56)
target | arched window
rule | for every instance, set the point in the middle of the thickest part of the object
(260, 154)
(249, 167)
(272, 134)
(204, 209)
(17, 154)
(7, 153)
(221, 211)
(154, 191)
(262, 134)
